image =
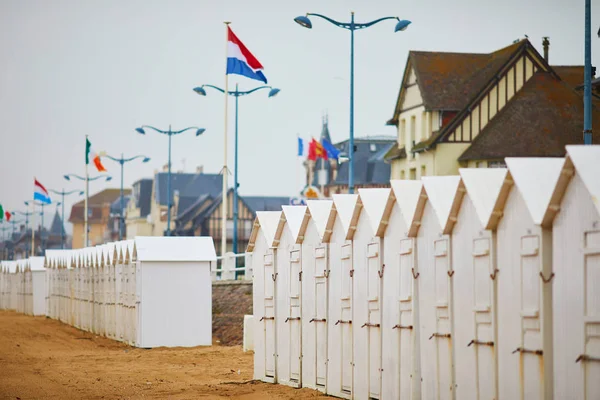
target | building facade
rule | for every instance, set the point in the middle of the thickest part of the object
(472, 110)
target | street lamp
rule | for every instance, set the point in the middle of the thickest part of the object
(33, 204)
(352, 26)
(272, 93)
(122, 161)
(169, 133)
(87, 180)
(63, 193)
(26, 215)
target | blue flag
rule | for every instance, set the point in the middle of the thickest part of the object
(332, 151)
(301, 147)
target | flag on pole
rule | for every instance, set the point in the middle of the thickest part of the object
(316, 150)
(332, 151)
(7, 215)
(240, 61)
(91, 154)
(40, 193)
(302, 148)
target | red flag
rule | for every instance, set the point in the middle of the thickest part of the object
(320, 150)
(7, 215)
(312, 153)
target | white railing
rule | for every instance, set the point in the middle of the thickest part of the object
(225, 267)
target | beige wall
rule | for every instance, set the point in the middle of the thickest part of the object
(96, 235)
(443, 159)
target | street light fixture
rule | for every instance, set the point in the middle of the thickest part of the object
(169, 133)
(122, 162)
(352, 26)
(272, 93)
(64, 193)
(87, 180)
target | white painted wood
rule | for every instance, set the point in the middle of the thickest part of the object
(475, 307)
(345, 206)
(340, 317)
(524, 304)
(288, 300)
(483, 186)
(576, 264)
(294, 216)
(441, 192)
(374, 202)
(401, 376)
(435, 307)
(366, 299)
(320, 211)
(409, 194)
(269, 221)
(585, 158)
(536, 179)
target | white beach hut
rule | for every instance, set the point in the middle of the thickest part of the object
(475, 291)
(339, 232)
(434, 244)
(401, 376)
(576, 265)
(524, 238)
(289, 296)
(263, 247)
(38, 285)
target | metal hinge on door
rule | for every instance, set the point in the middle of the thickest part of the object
(402, 327)
(480, 343)
(523, 350)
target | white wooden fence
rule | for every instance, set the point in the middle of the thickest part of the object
(478, 286)
(121, 290)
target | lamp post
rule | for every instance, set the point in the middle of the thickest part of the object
(351, 26)
(64, 193)
(14, 222)
(33, 204)
(87, 181)
(587, 76)
(169, 133)
(122, 162)
(26, 215)
(272, 92)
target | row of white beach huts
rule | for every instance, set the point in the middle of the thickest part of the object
(147, 292)
(484, 285)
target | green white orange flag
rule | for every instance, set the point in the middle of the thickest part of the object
(95, 157)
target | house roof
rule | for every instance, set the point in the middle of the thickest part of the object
(144, 196)
(369, 164)
(261, 203)
(448, 81)
(539, 121)
(95, 204)
(188, 185)
(115, 207)
(571, 74)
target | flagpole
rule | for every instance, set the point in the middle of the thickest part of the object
(33, 225)
(85, 202)
(297, 160)
(224, 193)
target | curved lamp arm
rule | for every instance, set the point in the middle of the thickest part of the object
(63, 193)
(368, 24)
(186, 129)
(155, 129)
(69, 176)
(345, 25)
(124, 160)
(201, 91)
(254, 90)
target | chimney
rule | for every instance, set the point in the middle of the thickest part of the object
(165, 167)
(200, 169)
(546, 45)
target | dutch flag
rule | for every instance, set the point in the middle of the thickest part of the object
(40, 193)
(240, 61)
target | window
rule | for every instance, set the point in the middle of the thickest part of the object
(423, 171)
(373, 147)
(480, 164)
(413, 174)
(402, 138)
(402, 175)
(497, 164)
(413, 130)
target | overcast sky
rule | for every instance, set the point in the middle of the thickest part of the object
(103, 67)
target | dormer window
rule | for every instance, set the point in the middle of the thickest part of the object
(373, 147)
